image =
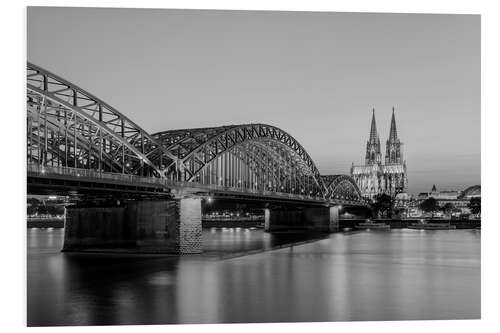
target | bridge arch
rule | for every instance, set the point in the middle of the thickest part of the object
(250, 156)
(470, 192)
(94, 134)
(342, 187)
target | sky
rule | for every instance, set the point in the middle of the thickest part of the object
(315, 75)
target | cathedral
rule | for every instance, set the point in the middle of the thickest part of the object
(382, 176)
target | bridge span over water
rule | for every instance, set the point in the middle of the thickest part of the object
(78, 144)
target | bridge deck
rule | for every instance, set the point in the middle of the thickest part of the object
(45, 179)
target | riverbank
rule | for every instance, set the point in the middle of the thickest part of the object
(53, 222)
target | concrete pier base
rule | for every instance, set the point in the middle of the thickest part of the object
(334, 222)
(156, 226)
(322, 219)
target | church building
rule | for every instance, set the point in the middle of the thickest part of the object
(382, 176)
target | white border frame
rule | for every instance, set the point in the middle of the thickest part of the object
(13, 249)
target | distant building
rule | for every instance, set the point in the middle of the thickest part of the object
(448, 197)
(375, 177)
(442, 195)
(459, 200)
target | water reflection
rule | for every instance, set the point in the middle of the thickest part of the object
(396, 275)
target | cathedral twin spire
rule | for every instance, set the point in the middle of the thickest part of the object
(393, 134)
(393, 153)
(373, 155)
(382, 176)
(373, 130)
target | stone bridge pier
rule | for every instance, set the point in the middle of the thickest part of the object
(139, 226)
(322, 219)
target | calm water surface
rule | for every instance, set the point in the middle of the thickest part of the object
(397, 275)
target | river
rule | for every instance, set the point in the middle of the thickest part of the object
(400, 274)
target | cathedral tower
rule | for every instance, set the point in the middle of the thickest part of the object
(373, 155)
(373, 177)
(393, 151)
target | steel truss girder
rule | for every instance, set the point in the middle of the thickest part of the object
(82, 142)
(268, 166)
(194, 148)
(278, 163)
(342, 186)
(69, 96)
(268, 161)
(109, 133)
(81, 134)
(274, 165)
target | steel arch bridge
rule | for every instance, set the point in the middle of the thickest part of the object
(341, 187)
(252, 156)
(68, 127)
(471, 191)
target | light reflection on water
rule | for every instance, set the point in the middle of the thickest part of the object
(396, 275)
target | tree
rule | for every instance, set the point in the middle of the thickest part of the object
(429, 205)
(383, 204)
(42, 210)
(475, 205)
(32, 206)
(447, 208)
(55, 210)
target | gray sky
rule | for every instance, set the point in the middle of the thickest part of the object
(315, 75)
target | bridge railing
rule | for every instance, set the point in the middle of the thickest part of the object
(88, 173)
(95, 174)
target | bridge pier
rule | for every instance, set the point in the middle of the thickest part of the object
(323, 219)
(139, 226)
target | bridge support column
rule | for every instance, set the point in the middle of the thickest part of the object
(146, 226)
(334, 222)
(322, 219)
(267, 221)
(169, 226)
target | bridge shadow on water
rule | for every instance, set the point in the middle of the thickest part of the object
(59, 281)
(233, 242)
